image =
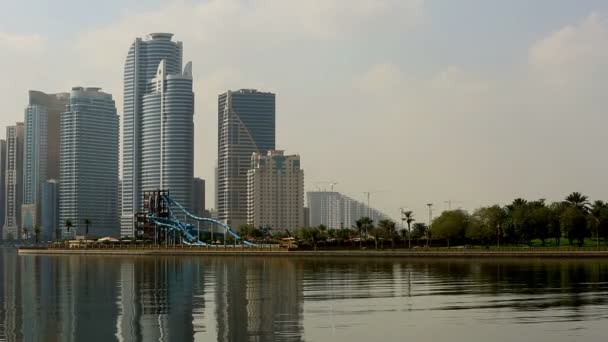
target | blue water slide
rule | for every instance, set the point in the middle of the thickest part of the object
(174, 225)
(227, 228)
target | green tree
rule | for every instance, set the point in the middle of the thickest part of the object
(514, 211)
(408, 217)
(344, 234)
(599, 219)
(540, 217)
(487, 223)
(574, 224)
(388, 227)
(87, 223)
(450, 225)
(419, 230)
(37, 233)
(556, 210)
(481, 227)
(250, 232)
(578, 200)
(377, 233)
(68, 225)
(311, 235)
(364, 224)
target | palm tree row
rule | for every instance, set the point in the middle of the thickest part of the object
(523, 221)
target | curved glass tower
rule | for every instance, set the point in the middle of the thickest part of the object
(158, 134)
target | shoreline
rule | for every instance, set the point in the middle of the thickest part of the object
(316, 254)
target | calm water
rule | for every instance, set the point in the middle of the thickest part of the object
(71, 298)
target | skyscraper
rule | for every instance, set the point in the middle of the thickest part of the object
(14, 182)
(275, 191)
(41, 150)
(246, 124)
(49, 208)
(2, 182)
(89, 163)
(198, 196)
(158, 139)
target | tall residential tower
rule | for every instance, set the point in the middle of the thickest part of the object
(89, 164)
(158, 129)
(275, 191)
(14, 182)
(40, 150)
(246, 125)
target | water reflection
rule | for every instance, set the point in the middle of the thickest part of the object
(74, 298)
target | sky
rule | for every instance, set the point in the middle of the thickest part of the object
(415, 101)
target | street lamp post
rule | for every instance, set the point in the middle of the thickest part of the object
(428, 234)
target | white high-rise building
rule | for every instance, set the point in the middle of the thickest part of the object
(335, 210)
(89, 164)
(275, 191)
(14, 182)
(158, 129)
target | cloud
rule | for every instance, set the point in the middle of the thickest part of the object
(265, 44)
(17, 43)
(572, 54)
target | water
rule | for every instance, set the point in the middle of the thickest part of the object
(77, 298)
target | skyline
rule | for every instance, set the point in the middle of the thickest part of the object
(506, 116)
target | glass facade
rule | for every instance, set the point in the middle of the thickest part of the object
(89, 164)
(246, 125)
(156, 153)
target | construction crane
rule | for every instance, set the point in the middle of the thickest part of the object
(331, 185)
(449, 203)
(368, 195)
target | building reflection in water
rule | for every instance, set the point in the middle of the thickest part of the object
(73, 298)
(90, 299)
(258, 299)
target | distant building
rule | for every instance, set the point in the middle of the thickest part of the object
(2, 183)
(335, 210)
(89, 164)
(275, 191)
(14, 182)
(246, 124)
(40, 151)
(198, 196)
(306, 217)
(49, 210)
(156, 153)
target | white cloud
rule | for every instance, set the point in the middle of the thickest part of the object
(439, 132)
(242, 44)
(15, 43)
(574, 53)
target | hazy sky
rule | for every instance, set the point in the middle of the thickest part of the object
(474, 101)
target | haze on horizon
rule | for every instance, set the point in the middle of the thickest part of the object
(418, 101)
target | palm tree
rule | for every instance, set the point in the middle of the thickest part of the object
(596, 211)
(389, 226)
(359, 227)
(366, 224)
(37, 233)
(408, 217)
(578, 200)
(87, 223)
(68, 225)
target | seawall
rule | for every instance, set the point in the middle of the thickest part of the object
(329, 254)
